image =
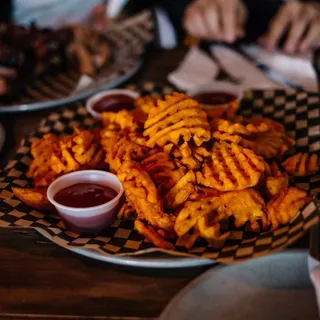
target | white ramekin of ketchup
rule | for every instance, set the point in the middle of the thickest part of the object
(217, 94)
(111, 100)
(86, 200)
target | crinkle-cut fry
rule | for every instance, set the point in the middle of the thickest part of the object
(57, 164)
(122, 149)
(232, 168)
(264, 136)
(157, 161)
(269, 145)
(45, 180)
(42, 150)
(175, 118)
(87, 148)
(194, 128)
(141, 191)
(274, 185)
(234, 138)
(285, 206)
(238, 128)
(163, 170)
(275, 170)
(166, 235)
(191, 212)
(181, 191)
(122, 118)
(203, 192)
(138, 138)
(71, 163)
(34, 198)
(190, 156)
(273, 180)
(126, 211)
(169, 105)
(210, 230)
(189, 239)
(145, 103)
(301, 165)
(273, 126)
(150, 233)
(245, 206)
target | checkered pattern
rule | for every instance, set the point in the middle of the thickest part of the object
(299, 111)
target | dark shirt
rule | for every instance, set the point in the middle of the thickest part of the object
(260, 13)
(5, 10)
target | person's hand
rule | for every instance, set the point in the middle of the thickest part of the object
(220, 20)
(301, 21)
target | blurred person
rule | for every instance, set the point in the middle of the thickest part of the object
(292, 25)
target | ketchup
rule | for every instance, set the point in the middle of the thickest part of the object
(85, 195)
(215, 98)
(114, 102)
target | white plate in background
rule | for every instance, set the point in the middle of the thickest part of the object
(273, 287)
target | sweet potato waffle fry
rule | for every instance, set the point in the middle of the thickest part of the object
(177, 117)
(301, 165)
(183, 177)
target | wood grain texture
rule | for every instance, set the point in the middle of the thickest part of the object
(38, 277)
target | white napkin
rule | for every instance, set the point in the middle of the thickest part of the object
(241, 69)
(196, 69)
(297, 69)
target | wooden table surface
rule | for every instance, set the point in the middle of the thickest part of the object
(39, 280)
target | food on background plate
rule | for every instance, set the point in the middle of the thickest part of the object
(185, 174)
(29, 52)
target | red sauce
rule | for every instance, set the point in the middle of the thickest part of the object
(114, 102)
(215, 98)
(85, 195)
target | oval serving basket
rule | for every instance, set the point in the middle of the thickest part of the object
(120, 243)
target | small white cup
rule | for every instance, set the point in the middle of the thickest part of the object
(218, 86)
(95, 98)
(92, 219)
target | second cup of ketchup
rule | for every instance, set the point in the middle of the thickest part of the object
(111, 101)
(217, 94)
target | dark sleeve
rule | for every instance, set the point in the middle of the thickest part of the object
(6, 10)
(260, 12)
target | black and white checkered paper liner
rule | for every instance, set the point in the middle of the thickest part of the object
(299, 111)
